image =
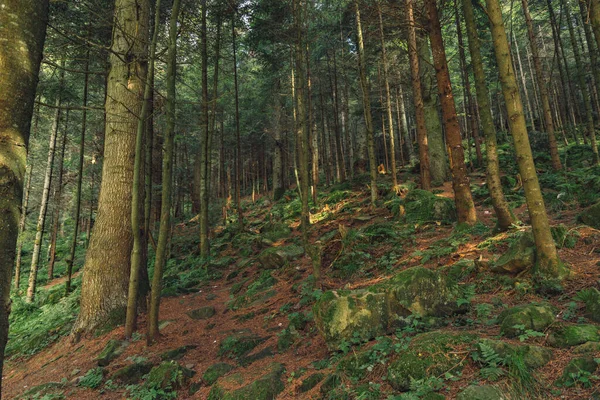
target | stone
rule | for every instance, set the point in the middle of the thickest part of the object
(573, 335)
(264, 353)
(533, 356)
(277, 257)
(536, 317)
(592, 303)
(267, 387)
(274, 231)
(168, 375)
(239, 344)
(215, 371)
(422, 206)
(519, 257)
(429, 354)
(310, 382)
(576, 367)
(132, 373)
(588, 347)
(202, 313)
(112, 350)
(382, 308)
(176, 354)
(481, 392)
(591, 216)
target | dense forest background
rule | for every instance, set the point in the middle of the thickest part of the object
(334, 199)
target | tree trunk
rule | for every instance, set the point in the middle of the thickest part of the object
(418, 98)
(501, 207)
(22, 34)
(548, 264)
(238, 154)
(107, 265)
(460, 181)
(364, 83)
(37, 246)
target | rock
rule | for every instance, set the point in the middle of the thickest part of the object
(588, 347)
(380, 309)
(168, 375)
(460, 270)
(574, 369)
(133, 373)
(591, 298)
(274, 231)
(267, 387)
(202, 313)
(536, 317)
(569, 336)
(429, 354)
(519, 256)
(310, 382)
(239, 344)
(176, 354)
(277, 257)
(423, 206)
(591, 216)
(264, 353)
(533, 356)
(215, 371)
(112, 350)
(481, 392)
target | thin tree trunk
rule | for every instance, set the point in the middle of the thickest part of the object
(548, 264)
(460, 181)
(37, 246)
(418, 98)
(238, 154)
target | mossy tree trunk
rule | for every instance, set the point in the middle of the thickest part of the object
(205, 141)
(418, 98)
(107, 266)
(22, 34)
(501, 208)
(460, 181)
(548, 264)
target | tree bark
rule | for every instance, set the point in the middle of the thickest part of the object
(548, 264)
(22, 34)
(460, 181)
(107, 265)
(238, 140)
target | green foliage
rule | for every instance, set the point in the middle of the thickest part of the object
(491, 362)
(527, 333)
(92, 379)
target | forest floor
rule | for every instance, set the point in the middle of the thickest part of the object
(362, 246)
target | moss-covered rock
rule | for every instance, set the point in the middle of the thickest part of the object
(330, 383)
(168, 375)
(133, 373)
(460, 270)
(519, 257)
(423, 206)
(176, 354)
(310, 382)
(536, 317)
(50, 390)
(586, 348)
(575, 369)
(533, 356)
(591, 216)
(202, 313)
(266, 387)
(275, 231)
(215, 371)
(569, 336)
(429, 354)
(112, 350)
(353, 366)
(239, 344)
(277, 257)
(591, 298)
(377, 310)
(481, 392)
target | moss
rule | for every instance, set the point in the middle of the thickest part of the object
(275, 231)
(589, 347)
(533, 356)
(168, 375)
(310, 382)
(591, 216)
(535, 317)
(112, 350)
(176, 354)
(115, 318)
(569, 336)
(265, 388)
(460, 270)
(519, 257)
(215, 371)
(238, 345)
(45, 390)
(133, 373)
(575, 368)
(353, 365)
(423, 206)
(330, 383)
(480, 392)
(202, 313)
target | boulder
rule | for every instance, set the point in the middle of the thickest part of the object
(239, 344)
(481, 392)
(112, 350)
(382, 308)
(168, 375)
(591, 298)
(536, 317)
(133, 373)
(176, 354)
(215, 371)
(310, 382)
(519, 257)
(422, 206)
(267, 387)
(573, 335)
(591, 216)
(588, 347)
(574, 369)
(429, 354)
(274, 231)
(533, 356)
(202, 313)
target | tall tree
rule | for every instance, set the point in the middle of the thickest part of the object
(204, 142)
(548, 264)
(22, 35)
(107, 266)
(460, 180)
